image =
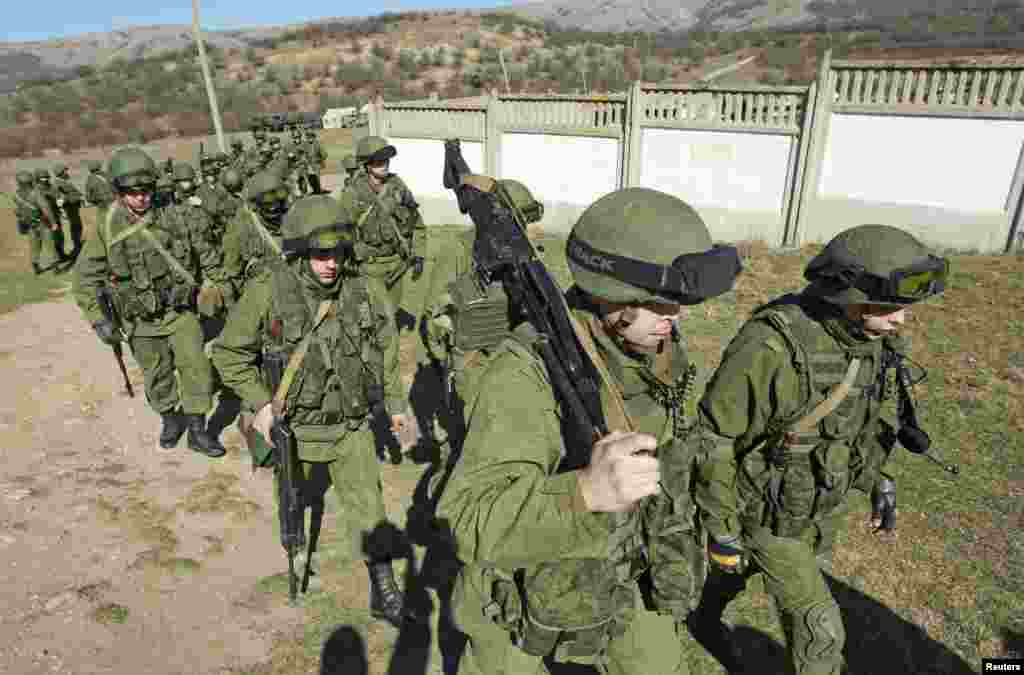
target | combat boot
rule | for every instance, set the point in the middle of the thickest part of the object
(386, 601)
(200, 440)
(174, 427)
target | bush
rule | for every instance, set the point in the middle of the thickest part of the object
(472, 40)
(382, 52)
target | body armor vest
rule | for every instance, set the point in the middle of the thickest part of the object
(335, 386)
(256, 252)
(793, 481)
(379, 214)
(145, 283)
(98, 190)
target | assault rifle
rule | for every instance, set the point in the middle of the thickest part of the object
(289, 506)
(105, 298)
(504, 256)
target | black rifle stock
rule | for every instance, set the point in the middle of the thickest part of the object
(503, 253)
(289, 507)
(105, 298)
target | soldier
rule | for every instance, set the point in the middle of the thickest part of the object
(253, 237)
(45, 188)
(70, 200)
(315, 158)
(390, 234)
(349, 167)
(98, 192)
(316, 301)
(147, 261)
(237, 151)
(163, 194)
(555, 538)
(217, 292)
(792, 422)
(33, 214)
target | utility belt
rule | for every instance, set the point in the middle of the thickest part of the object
(152, 303)
(326, 419)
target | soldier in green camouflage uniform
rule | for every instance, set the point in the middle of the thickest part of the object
(46, 189)
(70, 200)
(350, 371)
(98, 191)
(556, 538)
(391, 237)
(33, 214)
(791, 421)
(148, 261)
(253, 236)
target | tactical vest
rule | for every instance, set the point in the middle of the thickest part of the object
(145, 283)
(795, 482)
(574, 608)
(377, 230)
(26, 210)
(344, 364)
(98, 190)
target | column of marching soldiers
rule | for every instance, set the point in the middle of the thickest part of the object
(617, 544)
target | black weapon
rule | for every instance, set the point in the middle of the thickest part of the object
(910, 435)
(289, 508)
(105, 298)
(503, 254)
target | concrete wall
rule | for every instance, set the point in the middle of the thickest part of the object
(948, 180)
(419, 162)
(736, 181)
(566, 173)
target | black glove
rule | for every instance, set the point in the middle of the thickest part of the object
(417, 267)
(883, 504)
(105, 330)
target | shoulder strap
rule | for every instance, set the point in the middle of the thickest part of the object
(297, 357)
(618, 417)
(835, 397)
(141, 228)
(267, 237)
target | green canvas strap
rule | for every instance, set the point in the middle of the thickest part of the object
(267, 237)
(297, 357)
(808, 422)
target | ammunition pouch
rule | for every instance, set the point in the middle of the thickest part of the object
(572, 608)
(480, 314)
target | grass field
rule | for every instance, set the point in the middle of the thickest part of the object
(942, 593)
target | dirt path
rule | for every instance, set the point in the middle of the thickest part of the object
(117, 556)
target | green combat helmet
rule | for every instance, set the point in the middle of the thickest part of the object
(60, 170)
(518, 199)
(232, 181)
(94, 165)
(132, 168)
(876, 264)
(637, 245)
(374, 149)
(163, 195)
(317, 225)
(268, 194)
(24, 178)
(185, 178)
(42, 175)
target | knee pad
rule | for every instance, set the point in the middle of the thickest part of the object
(816, 638)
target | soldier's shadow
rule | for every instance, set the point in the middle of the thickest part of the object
(878, 640)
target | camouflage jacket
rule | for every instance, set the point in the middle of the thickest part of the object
(98, 190)
(381, 217)
(247, 249)
(31, 208)
(71, 194)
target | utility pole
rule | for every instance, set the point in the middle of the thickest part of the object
(197, 34)
(504, 70)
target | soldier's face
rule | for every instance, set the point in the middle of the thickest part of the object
(138, 201)
(325, 267)
(378, 170)
(878, 320)
(644, 327)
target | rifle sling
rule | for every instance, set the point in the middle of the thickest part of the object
(267, 237)
(838, 394)
(615, 410)
(297, 357)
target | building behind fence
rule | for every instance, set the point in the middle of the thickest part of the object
(936, 150)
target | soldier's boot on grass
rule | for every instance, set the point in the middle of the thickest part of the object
(174, 426)
(200, 440)
(387, 602)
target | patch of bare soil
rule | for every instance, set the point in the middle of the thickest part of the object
(117, 556)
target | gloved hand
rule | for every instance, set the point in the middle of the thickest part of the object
(883, 505)
(726, 555)
(210, 300)
(106, 332)
(60, 201)
(417, 267)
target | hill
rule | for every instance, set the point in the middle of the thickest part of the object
(341, 62)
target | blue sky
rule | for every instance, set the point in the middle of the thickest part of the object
(41, 20)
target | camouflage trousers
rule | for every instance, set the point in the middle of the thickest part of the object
(35, 242)
(181, 351)
(809, 614)
(651, 644)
